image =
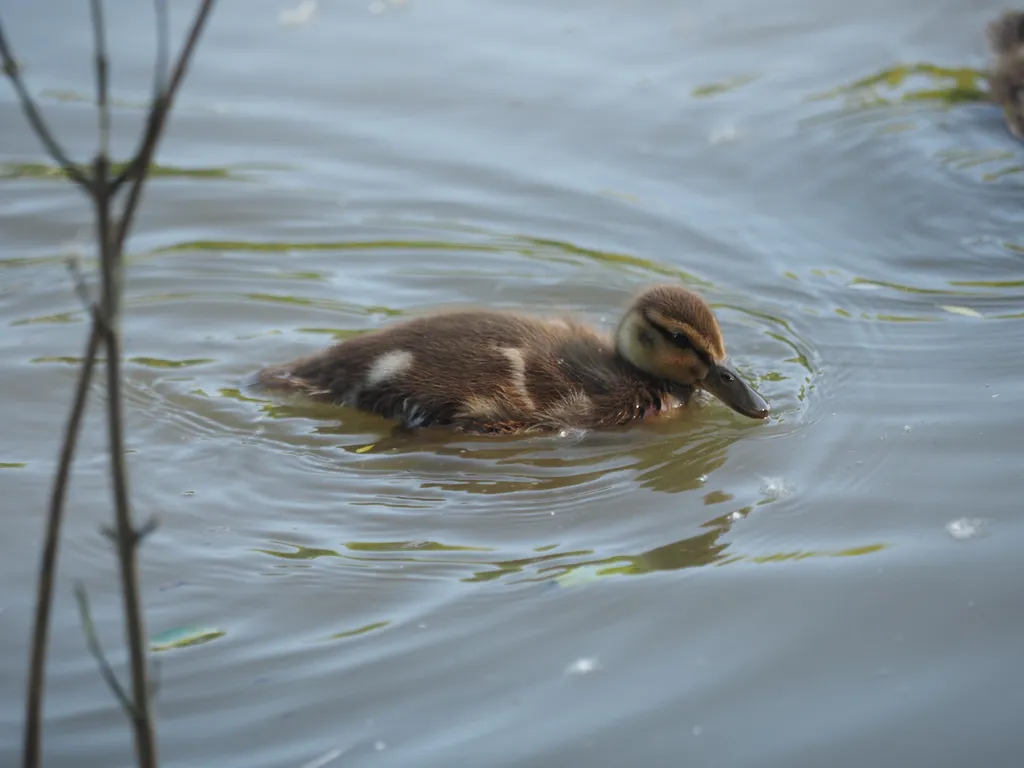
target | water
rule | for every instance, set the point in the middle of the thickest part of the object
(839, 586)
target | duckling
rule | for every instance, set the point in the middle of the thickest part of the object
(495, 372)
(1006, 83)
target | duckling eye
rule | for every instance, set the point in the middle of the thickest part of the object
(681, 340)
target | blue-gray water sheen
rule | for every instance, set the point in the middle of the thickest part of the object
(839, 586)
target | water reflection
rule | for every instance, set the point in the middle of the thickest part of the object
(570, 567)
(366, 628)
(724, 86)
(10, 171)
(670, 457)
(894, 99)
(544, 249)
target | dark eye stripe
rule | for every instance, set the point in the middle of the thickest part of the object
(680, 340)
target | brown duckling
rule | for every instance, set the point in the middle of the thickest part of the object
(1006, 83)
(485, 371)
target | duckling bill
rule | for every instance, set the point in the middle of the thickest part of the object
(496, 372)
(1006, 82)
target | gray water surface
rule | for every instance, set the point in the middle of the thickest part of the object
(839, 586)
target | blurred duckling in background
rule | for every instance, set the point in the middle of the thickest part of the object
(1006, 83)
(495, 372)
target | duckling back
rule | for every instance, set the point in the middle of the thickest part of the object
(479, 371)
(1006, 83)
(1006, 34)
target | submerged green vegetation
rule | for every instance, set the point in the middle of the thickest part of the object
(913, 83)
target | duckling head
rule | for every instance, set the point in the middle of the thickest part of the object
(671, 333)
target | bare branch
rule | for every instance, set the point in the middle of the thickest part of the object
(118, 181)
(125, 538)
(32, 750)
(106, 330)
(96, 649)
(147, 528)
(139, 533)
(112, 241)
(102, 74)
(163, 37)
(157, 116)
(163, 40)
(35, 119)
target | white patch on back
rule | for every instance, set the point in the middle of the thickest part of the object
(518, 363)
(388, 366)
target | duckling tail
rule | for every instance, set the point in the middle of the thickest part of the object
(1006, 34)
(280, 379)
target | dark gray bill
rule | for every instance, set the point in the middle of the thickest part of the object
(724, 383)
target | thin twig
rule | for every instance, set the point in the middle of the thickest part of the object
(127, 544)
(112, 243)
(157, 116)
(163, 39)
(92, 640)
(111, 269)
(106, 329)
(126, 174)
(159, 82)
(35, 118)
(32, 751)
(102, 72)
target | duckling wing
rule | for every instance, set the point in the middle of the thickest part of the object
(586, 384)
(463, 368)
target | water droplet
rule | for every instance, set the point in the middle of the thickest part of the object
(583, 666)
(964, 528)
(775, 488)
(379, 745)
(698, 730)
